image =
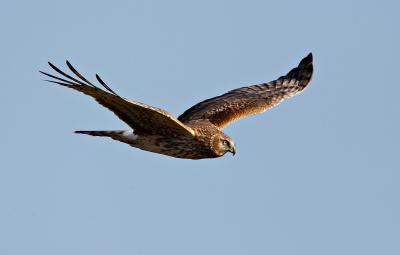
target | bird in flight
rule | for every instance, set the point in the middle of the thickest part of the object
(196, 134)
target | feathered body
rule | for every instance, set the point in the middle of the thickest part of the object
(196, 134)
(204, 143)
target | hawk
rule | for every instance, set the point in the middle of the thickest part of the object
(196, 134)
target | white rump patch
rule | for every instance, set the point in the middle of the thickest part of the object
(130, 135)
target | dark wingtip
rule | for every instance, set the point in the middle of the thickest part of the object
(51, 64)
(70, 66)
(303, 72)
(59, 83)
(307, 60)
(310, 57)
(101, 81)
(74, 81)
(105, 85)
(306, 70)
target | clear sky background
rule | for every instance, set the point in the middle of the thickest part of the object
(319, 174)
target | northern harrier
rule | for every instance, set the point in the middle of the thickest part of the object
(196, 134)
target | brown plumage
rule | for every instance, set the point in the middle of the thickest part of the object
(196, 134)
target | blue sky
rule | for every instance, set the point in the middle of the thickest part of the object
(318, 174)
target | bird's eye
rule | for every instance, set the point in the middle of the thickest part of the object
(225, 142)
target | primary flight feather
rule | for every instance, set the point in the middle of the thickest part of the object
(196, 134)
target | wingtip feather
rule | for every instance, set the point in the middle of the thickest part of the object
(105, 85)
(303, 72)
(306, 60)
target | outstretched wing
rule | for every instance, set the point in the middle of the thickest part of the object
(241, 102)
(141, 117)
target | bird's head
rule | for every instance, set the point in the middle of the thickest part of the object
(223, 144)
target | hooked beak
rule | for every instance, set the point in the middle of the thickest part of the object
(233, 151)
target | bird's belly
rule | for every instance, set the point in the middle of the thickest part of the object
(178, 147)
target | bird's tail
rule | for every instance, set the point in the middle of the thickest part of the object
(127, 136)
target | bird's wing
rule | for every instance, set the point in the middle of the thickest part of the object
(245, 101)
(141, 117)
